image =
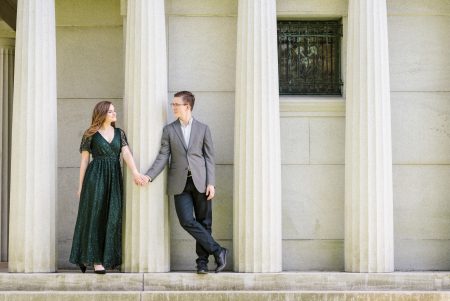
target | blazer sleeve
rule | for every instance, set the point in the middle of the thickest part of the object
(163, 156)
(208, 152)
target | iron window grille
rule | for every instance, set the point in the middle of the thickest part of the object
(309, 57)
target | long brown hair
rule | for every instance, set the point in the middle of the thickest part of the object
(98, 117)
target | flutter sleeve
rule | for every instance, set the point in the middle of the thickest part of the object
(123, 138)
(86, 144)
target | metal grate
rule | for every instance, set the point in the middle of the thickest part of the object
(309, 57)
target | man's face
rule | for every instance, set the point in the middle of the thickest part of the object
(179, 107)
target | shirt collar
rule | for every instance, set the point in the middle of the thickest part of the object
(188, 124)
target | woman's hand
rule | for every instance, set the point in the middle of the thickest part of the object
(139, 179)
(128, 158)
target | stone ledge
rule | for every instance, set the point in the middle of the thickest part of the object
(228, 295)
(306, 281)
(427, 281)
(56, 296)
(296, 296)
(71, 282)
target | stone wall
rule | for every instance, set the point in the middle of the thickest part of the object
(201, 54)
(419, 44)
(89, 45)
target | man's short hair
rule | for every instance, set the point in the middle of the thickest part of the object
(186, 96)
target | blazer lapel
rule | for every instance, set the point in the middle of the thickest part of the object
(177, 126)
(193, 131)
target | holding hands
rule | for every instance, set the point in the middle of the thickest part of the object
(140, 179)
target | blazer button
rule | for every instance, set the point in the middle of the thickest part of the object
(186, 168)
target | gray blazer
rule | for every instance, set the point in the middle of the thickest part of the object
(198, 155)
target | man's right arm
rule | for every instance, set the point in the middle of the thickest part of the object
(163, 156)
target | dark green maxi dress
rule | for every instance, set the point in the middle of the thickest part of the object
(98, 231)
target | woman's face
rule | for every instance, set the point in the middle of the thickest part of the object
(111, 115)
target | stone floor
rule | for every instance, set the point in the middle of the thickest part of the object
(292, 286)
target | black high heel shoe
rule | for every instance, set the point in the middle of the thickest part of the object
(82, 268)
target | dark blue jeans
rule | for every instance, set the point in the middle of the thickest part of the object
(191, 202)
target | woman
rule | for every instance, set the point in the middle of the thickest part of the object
(97, 239)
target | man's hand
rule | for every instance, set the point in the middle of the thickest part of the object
(140, 179)
(210, 192)
(147, 180)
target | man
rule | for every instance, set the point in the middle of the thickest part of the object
(188, 144)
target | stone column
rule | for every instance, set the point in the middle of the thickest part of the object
(368, 149)
(257, 164)
(34, 137)
(6, 97)
(146, 223)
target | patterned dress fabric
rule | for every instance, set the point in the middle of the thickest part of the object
(98, 231)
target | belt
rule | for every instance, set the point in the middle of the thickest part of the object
(106, 158)
(189, 174)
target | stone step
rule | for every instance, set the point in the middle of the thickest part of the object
(228, 295)
(178, 282)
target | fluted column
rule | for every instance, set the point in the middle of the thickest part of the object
(146, 243)
(34, 137)
(368, 150)
(257, 165)
(6, 97)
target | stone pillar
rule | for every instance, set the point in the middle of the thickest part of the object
(34, 137)
(257, 164)
(146, 223)
(368, 148)
(6, 97)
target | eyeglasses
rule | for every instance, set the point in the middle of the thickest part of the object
(178, 104)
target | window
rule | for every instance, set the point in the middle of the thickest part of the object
(309, 57)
